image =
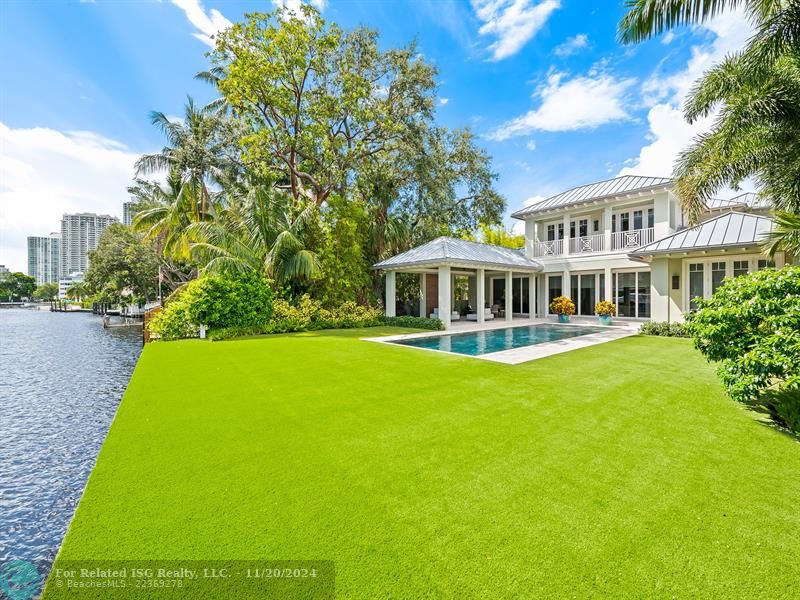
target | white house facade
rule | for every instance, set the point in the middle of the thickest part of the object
(623, 240)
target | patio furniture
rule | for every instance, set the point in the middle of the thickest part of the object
(487, 315)
(455, 316)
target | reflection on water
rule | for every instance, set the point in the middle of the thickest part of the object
(61, 379)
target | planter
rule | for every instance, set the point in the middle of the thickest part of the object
(605, 319)
(563, 318)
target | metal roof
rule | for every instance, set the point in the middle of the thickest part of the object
(731, 229)
(747, 200)
(594, 191)
(448, 250)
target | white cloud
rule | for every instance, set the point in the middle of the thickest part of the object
(443, 101)
(531, 145)
(665, 94)
(293, 6)
(572, 45)
(512, 22)
(668, 37)
(583, 102)
(45, 173)
(207, 24)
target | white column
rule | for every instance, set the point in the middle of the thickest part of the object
(607, 232)
(509, 305)
(391, 295)
(566, 287)
(532, 296)
(480, 279)
(609, 285)
(445, 296)
(423, 294)
(566, 235)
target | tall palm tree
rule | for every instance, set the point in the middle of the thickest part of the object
(195, 151)
(755, 95)
(259, 232)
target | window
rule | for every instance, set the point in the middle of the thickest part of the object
(595, 226)
(553, 289)
(624, 221)
(561, 231)
(572, 229)
(637, 219)
(765, 264)
(740, 267)
(632, 294)
(651, 218)
(613, 223)
(551, 233)
(695, 284)
(583, 227)
(643, 294)
(717, 275)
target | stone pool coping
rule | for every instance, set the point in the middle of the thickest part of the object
(524, 354)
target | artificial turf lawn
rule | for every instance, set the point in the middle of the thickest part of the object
(619, 470)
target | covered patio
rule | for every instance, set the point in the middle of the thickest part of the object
(490, 272)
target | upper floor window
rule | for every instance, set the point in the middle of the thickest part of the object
(583, 227)
(624, 221)
(572, 229)
(651, 217)
(561, 231)
(596, 226)
(551, 233)
(637, 219)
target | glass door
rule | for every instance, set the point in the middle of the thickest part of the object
(632, 294)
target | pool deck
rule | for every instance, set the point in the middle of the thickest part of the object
(515, 356)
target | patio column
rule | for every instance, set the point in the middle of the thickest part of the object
(391, 295)
(423, 294)
(509, 290)
(565, 249)
(532, 296)
(480, 280)
(607, 231)
(609, 285)
(445, 296)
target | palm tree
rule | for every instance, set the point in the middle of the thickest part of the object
(77, 291)
(755, 95)
(196, 152)
(260, 233)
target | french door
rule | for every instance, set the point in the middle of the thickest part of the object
(632, 294)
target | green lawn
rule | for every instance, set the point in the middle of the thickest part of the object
(614, 471)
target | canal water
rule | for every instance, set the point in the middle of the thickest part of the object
(61, 379)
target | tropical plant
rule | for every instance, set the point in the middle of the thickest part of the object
(196, 153)
(664, 329)
(562, 305)
(498, 236)
(755, 95)
(262, 233)
(77, 291)
(751, 327)
(604, 308)
(242, 300)
(15, 286)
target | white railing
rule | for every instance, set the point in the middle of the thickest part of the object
(586, 244)
(623, 240)
(552, 248)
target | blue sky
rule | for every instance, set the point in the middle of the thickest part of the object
(555, 99)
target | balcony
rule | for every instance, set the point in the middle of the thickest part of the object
(551, 248)
(587, 244)
(628, 240)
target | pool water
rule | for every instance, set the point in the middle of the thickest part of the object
(476, 343)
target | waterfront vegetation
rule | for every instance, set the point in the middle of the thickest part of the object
(620, 470)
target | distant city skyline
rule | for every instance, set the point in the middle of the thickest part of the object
(44, 257)
(80, 233)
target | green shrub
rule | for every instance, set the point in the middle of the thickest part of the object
(751, 327)
(664, 328)
(414, 323)
(217, 302)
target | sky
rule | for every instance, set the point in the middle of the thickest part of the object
(544, 84)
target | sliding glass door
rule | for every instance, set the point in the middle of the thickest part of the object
(632, 294)
(584, 292)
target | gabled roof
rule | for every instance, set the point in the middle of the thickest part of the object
(594, 191)
(448, 250)
(732, 229)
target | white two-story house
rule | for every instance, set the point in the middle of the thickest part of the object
(624, 240)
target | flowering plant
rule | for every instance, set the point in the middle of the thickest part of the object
(562, 306)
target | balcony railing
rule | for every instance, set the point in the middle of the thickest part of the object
(586, 244)
(623, 240)
(551, 248)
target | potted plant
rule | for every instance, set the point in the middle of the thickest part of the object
(563, 307)
(605, 310)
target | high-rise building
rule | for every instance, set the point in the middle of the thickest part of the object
(79, 234)
(44, 257)
(128, 212)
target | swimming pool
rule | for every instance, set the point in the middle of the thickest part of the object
(476, 343)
